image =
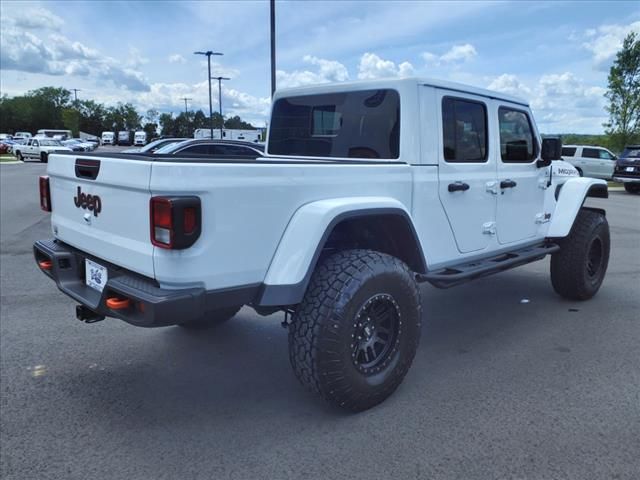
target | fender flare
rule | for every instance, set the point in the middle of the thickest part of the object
(305, 236)
(570, 198)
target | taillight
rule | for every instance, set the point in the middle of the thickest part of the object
(45, 193)
(175, 221)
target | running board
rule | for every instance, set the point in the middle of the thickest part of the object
(464, 272)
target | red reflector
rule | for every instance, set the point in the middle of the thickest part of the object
(45, 193)
(116, 303)
(45, 264)
(161, 213)
(189, 220)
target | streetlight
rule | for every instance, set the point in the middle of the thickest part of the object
(220, 101)
(208, 53)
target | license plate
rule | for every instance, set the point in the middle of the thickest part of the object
(629, 169)
(95, 275)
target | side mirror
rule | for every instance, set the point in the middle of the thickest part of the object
(551, 150)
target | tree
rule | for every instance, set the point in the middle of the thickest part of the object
(624, 93)
(151, 129)
(237, 123)
(71, 120)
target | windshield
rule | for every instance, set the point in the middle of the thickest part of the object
(157, 145)
(49, 143)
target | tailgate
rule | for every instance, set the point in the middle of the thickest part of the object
(100, 205)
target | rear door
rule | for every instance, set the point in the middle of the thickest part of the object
(521, 184)
(100, 205)
(467, 169)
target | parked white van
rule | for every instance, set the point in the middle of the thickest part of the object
(140, 138)
(108, 138)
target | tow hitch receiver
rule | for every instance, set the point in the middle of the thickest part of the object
(87, 315)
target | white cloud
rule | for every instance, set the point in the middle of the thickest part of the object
(456, 54)
(605, 41)
(32, 19)
(177, 58)
(327, 71)
(562, 103)
(372, 66)
(56, 54)
(510, 84)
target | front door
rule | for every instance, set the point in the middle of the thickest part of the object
(467, 169)
(521, 184)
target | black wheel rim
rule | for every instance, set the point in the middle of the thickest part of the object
(376, 333)
(594, 258)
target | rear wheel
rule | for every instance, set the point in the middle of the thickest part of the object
(578, 269)
(212, 319)
(44, 157)
(632, 187)
(354, 336)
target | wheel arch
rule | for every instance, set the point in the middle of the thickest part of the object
(570, 197)
(381, 224)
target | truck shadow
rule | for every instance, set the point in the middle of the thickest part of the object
(241, 369)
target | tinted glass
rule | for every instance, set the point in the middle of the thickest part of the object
(234, 150)
(591, 153)
(568, 151)
(517, 142)
(201, 149)
(363, 124)
(464, 129)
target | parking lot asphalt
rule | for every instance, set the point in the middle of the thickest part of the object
(500, 388)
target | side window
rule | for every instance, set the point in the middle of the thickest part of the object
(568, 151)
(517, 141)
(591, 153)
(604, 155)
(464, 130)
(202, 149)
(35, 143)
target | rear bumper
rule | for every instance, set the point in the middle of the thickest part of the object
(149, 306)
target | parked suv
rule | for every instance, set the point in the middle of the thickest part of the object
(590, 161)
(628, 169)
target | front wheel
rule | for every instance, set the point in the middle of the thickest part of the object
(578, 269)
(632, 187)
(354, 336)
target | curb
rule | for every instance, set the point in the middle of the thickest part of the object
(11, 163)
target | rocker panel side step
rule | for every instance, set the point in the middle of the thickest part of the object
(465, 272)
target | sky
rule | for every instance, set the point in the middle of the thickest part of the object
(554, 54)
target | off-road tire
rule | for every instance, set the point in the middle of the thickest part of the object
(578, 269)
(44, 157)
(212, 319)
(632, 187)
(325, 324)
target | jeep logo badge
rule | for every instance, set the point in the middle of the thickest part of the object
(88, 202)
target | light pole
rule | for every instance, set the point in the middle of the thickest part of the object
(208, 53)
(220, 101)
(272, 11)
(75, 95)
(185, 104)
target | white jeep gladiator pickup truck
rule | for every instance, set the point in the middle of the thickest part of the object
(367, 189)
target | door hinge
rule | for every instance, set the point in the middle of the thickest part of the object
(492, 187)
(543, 217)
(489, 228)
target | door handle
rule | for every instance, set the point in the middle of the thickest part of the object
(458, 187)
(507, 184)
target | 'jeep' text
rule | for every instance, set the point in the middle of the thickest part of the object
(88, 202)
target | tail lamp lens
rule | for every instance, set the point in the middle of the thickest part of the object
(175, 221)
(45, 193)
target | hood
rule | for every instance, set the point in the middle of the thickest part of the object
(628, 162)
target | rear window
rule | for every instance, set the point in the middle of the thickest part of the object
(568, 151)
(631, 152)
(361, 124)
